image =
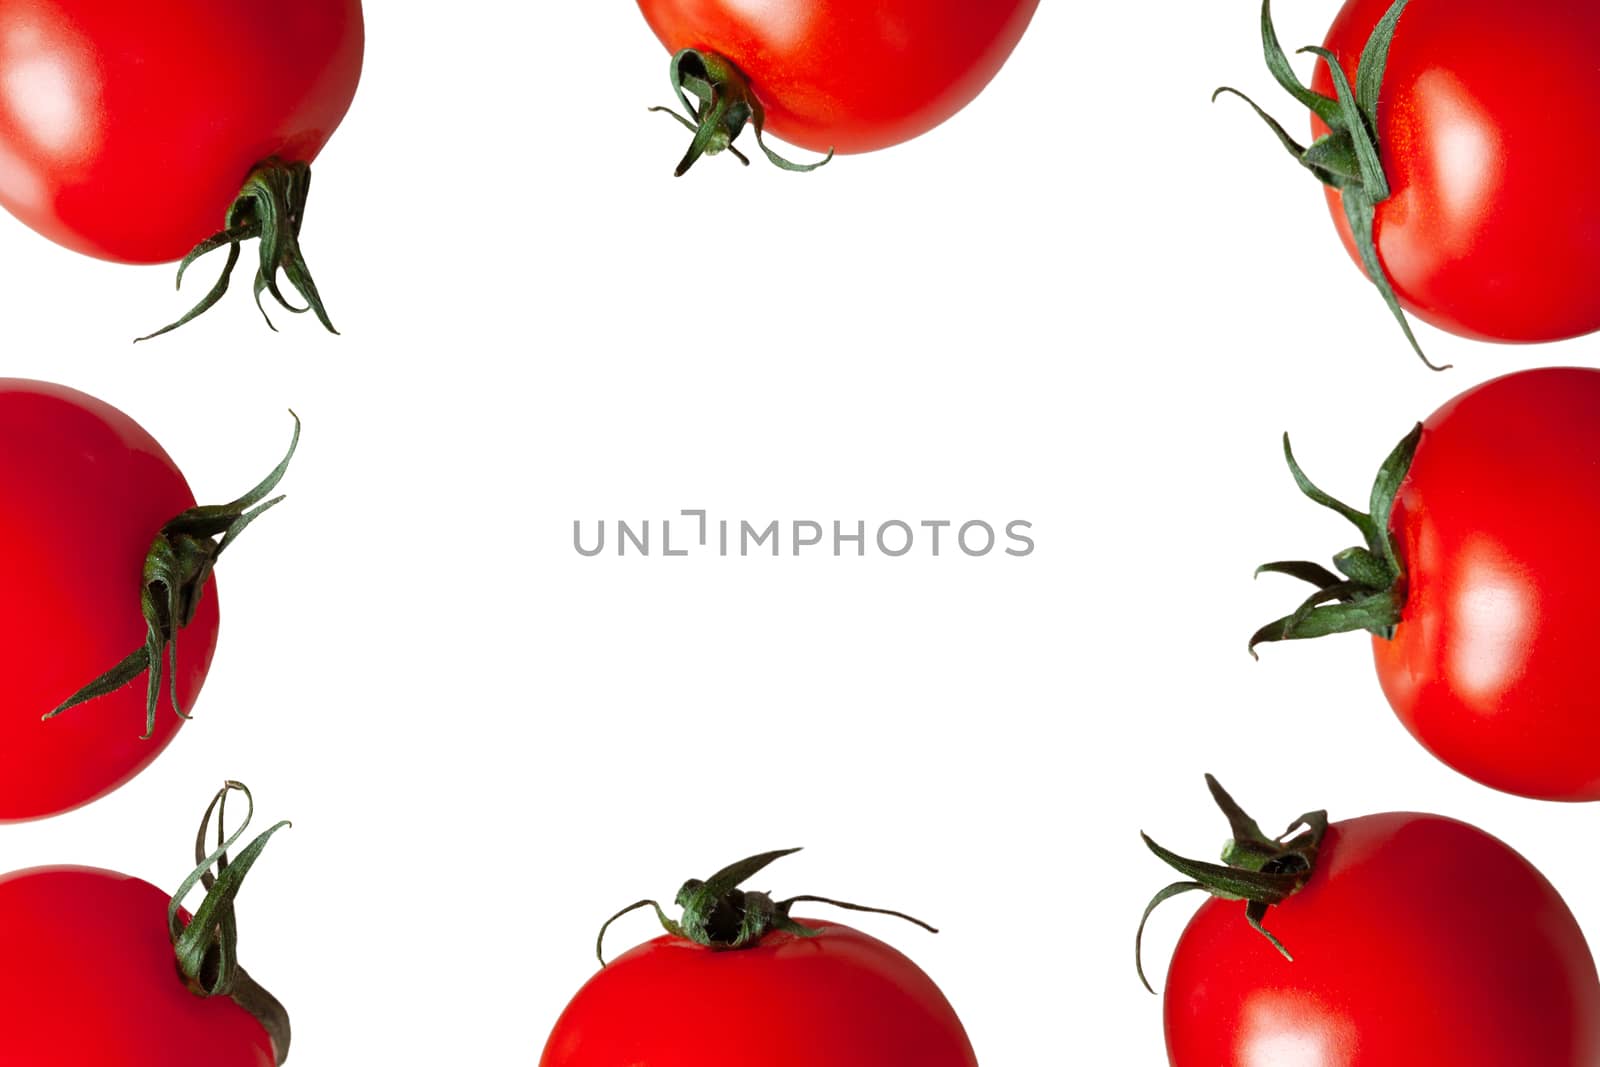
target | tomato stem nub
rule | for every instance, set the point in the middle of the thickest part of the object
(207, 945)
(1346, 158)
(1259, 870)
(1368, 592)
(176, 570)
(723, 104)
(718, 915)
(271, 207)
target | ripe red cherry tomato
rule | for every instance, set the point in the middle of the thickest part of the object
(795, 993)
(1492, 227)
(89, 977)
(1415, 939)
(84, 491)
(851, 75)
(1453, 181)
(128, 130)
(1483, 633)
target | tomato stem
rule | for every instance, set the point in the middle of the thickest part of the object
(207, 945)
(176, 570)
(1347, 158)
(1259, 870)
(1368, 592)
(718, 915)
(723, 105)
(271, 208)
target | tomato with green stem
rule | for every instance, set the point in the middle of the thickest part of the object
(1399, 938)
(99, 969)
(109, 571)
(829, 75)
(142, 133)
(1477, 582)
(1452, 172)
(738, 981)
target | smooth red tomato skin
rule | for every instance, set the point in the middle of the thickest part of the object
(842, 999)
(851, 75)
(1418, 940)
(127, 129)
(88, 979)
(83, 492)
(1493, 228)
(1493, 666)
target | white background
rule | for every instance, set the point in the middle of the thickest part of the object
(1093, 301)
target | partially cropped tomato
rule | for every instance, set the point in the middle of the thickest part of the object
(1485, 222)
(1389, 940)
(128, 130)
(94, 974)
(1478, 582)
(849, 75)
(86, 497)
(738, 982)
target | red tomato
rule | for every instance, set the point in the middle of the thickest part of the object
(1492, 666)
(1490, 661)
(83, 493)
(851, 75)
(1416, 940)
(87, 980)
(841, 998)
(127, 130)
(1492, 228)
(99, 969)
(739, 982)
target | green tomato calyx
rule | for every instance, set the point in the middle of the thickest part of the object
(270, 207)
(207, 945)
(176, 570)
(1259, 870)
(1346, 158)
(723, 104)
(1368, 592)
(718, 915)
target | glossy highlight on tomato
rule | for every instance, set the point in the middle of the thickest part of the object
(851, 75)
(127, 130)
(1492, 226)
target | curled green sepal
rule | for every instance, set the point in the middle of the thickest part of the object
(723, 104)
(1345, 158)
(1366, 589)
(271, 207)
(1259, 870)
(717, 914)
(207, 945)
(176, 570)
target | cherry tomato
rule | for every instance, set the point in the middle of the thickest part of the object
(851, 75)
(84, 491)
(87, 979)
(738, 982)
(1492, 228)
(1416, 939)
(98, 969)
(840, 998)
(1487, 656)
(127, 130)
